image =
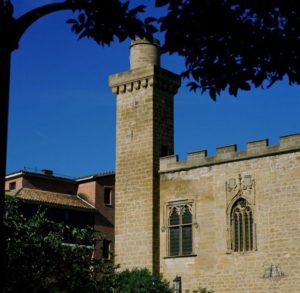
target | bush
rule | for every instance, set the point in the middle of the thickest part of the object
(135, 281)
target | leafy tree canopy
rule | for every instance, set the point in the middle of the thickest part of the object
(40, 260)
(227, 44)
(234, 44)
(100, 20)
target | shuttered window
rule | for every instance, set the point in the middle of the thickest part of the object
(180, 230)
(241, 226)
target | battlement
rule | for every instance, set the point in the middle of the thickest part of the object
(143, 77)
(225, 154)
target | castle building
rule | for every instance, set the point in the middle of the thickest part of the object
(229, 222)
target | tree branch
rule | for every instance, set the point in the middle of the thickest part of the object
(26, 20)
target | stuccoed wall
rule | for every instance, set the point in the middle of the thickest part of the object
(269, 178)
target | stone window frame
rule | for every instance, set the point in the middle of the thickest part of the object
(166, 227)
(230, 238)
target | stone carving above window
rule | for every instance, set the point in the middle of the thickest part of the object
(248, 182)
(180, 209)
(241, 185)
(231, 185)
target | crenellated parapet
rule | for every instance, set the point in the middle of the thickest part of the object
(144, 77)
(225, 154)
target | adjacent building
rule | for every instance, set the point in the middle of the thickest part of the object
(78, 202)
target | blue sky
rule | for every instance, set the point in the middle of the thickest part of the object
(62, 111)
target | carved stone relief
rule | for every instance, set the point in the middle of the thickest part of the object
(240, 186)
(273, 272)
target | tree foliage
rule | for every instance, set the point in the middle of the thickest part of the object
(234, 44)
(39, 260)
(227, 44)
(102, 20)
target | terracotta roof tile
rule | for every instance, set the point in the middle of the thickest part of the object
(51, 198)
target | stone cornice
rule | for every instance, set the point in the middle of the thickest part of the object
(148, 76)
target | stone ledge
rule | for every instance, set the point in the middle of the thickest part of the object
(143, 77)
(179, 256)
(226, 154)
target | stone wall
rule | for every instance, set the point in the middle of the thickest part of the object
(264, 177)
(268, 177)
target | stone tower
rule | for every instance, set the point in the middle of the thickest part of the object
(144, 133)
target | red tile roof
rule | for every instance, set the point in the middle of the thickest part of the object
(50, 198)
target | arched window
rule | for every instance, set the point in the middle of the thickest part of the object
(180, 230)
(241, 221)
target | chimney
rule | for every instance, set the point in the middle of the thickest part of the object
(143, 52)
(47, 172)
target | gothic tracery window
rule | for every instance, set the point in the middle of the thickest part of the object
(241, 220)
(180, 230)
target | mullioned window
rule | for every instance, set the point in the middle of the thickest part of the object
(180, 232)
(242, 226)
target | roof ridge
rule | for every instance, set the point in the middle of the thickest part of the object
(94, 175)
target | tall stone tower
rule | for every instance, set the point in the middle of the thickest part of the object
(144, 133)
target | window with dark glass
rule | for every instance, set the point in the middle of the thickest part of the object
(166, 150)
(108, 196)
(12, 185)
(106, 249)
(180, 230)
(241, 220)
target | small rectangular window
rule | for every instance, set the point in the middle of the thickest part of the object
(12, 185)
(108, 196)
(66, 216)
(106, 253)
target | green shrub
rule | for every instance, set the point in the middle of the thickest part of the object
(134, 281)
